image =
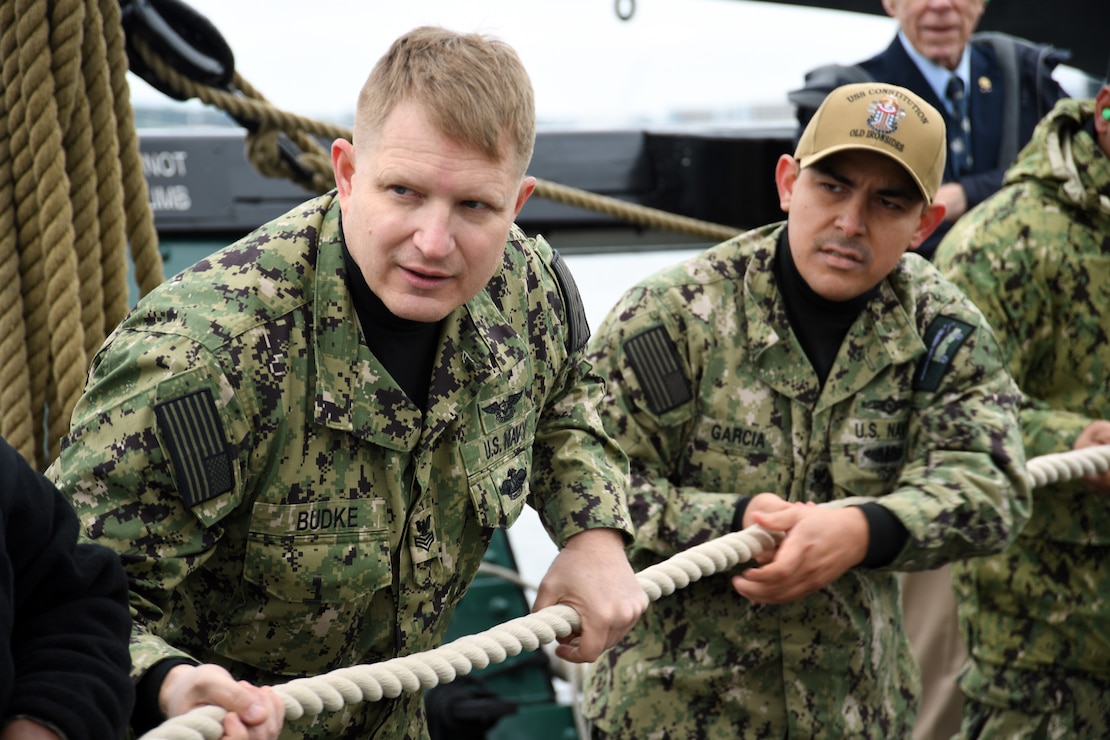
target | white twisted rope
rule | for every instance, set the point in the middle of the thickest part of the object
(1063, 466)
(388, 679)
(334, 690)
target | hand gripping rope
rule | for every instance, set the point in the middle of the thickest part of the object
(420, 671)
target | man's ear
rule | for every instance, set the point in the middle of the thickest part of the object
(931, 216)
(1102, 105)
(786, 176)
(343, 165)
(527, 187)
(890, 7)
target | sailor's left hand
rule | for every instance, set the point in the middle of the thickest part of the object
(820, 545)
(592, 575)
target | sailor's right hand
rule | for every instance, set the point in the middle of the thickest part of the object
(253, 713)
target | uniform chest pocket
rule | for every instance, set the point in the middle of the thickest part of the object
(499, 493)
(745, 459)
(319, 552)
(869, 458)
(498, 467)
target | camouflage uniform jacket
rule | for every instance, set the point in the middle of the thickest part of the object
(1036, 259)
(713, 398)
(282, 508)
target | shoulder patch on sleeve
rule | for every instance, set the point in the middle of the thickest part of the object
(578, 328)
(655, 360)
(194, 439)
(942, 339)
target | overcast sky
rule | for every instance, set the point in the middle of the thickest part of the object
(588, 67)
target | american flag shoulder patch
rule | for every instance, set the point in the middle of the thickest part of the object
(194, 439)
(655, 360)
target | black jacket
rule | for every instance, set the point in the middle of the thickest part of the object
(64, 619)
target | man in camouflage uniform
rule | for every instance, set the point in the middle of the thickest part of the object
(1036, 259)
(302, 445)
(810, 378)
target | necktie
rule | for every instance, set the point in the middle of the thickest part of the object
(959, 136)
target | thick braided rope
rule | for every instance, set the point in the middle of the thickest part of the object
(245, 103)
(74, 123)
(52, 74)
(25, 294)
(63, 264)
(137, 216)
(16, 416)
(633, 212)
(126, 218)
(45, 215)
(332, 691)
(1064, 466)
(248, 104)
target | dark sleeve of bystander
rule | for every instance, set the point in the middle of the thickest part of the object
(64, 618)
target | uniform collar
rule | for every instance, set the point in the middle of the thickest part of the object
(884, 334)
(353, 391)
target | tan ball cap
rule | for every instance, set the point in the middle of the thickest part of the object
(883, 118)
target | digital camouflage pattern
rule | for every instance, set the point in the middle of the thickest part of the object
(280, 505)
(1036, 259)
(712, 397)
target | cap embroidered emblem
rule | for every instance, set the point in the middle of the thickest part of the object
(887, 119)
(884, 115)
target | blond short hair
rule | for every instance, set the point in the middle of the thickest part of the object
(474, 88)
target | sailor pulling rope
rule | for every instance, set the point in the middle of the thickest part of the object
(69, 221)
(420, 671)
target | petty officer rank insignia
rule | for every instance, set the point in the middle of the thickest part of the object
(942, 339)
(192, 435)
(422, 536)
